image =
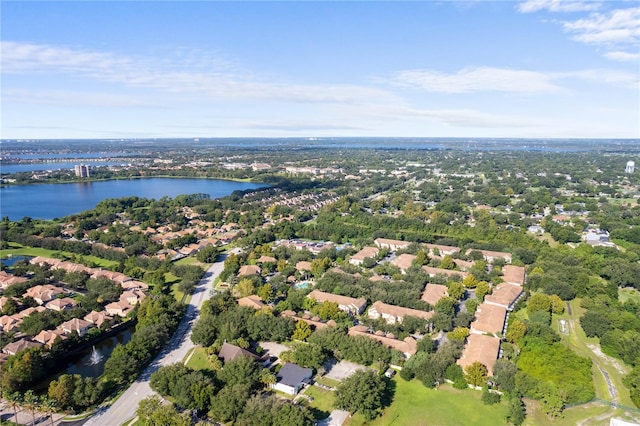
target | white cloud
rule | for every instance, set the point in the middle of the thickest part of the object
(558, 6)
(482, 79)
(623, 56)
(76, 98)
(620, 26)
(487, 79)
(22, 58)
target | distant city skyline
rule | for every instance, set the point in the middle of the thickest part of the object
(504, 69)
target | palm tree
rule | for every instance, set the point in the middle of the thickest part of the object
(14, 400)
(48, 405)
(267, 378)
(31, 402)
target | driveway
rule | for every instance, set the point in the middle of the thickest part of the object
(341, 370)
(274, 349)
(336, 418)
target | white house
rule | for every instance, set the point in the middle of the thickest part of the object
(291, 378)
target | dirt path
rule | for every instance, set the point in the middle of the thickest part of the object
(597, 356)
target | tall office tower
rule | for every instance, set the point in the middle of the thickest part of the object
(82, 170)
(630, 167)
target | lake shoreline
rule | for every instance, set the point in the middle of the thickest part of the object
(11, 184)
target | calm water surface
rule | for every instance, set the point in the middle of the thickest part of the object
(48, 201)
(56, 165)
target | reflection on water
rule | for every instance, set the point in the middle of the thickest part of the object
(90, 362)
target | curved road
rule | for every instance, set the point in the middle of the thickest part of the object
(124, 408)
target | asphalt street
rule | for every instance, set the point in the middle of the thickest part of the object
(124, 408)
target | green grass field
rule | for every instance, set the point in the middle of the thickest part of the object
(591, 414)
(581, 344)
(199, 359)
(18, 250)
(322, 404)
(625, 294)
(415, 405)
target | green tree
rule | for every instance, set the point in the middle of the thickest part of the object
(302, 331)
(476, 374)
(456, 290)
(227, 405)
(31, 402)
(516, 331)
(459, 334)
(482, 289)
(362, 392)
(14, 401)
(244, 287)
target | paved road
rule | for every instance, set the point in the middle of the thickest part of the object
(124, 408)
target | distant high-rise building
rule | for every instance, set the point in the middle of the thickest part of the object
(82, 170)
(630, 167)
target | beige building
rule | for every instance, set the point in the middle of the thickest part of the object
(346, 304)
(395, 314)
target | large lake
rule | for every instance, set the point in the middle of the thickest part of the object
(48, 201)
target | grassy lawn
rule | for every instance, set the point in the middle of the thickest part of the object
(580, 343)
(548, 238)
(327, 381)
(199, 359)
(191, 260)
(19, 250)
(625, 294)
(415, 405)
(591, 414)
(322, 404)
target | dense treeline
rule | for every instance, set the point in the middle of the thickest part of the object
(158, 317)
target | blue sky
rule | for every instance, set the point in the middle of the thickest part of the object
(534, 68)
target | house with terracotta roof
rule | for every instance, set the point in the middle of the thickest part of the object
(490, 256)
(392, 245)
(395, 314)
(48, 337)
(120, 308)
(346, 304)
(26, 312)
(463, 265)
(10, 322)
(252, 301)
(60, 305)
(408, 346)
(266, 259)
(133, 297)
(43, 293)
(513, 274)
(505, 295)
(20, 345)
(434, 292)
(489, 319)
(7, 280)
(404, 261)
(98, 318)
(432, 272)
(441, 250)
(134, 285)
(249, 270)
(366, 252)
(314, 322)
(78, 325)
(482, 348)
(303, 266)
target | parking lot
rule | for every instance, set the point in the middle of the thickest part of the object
(341, 370)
